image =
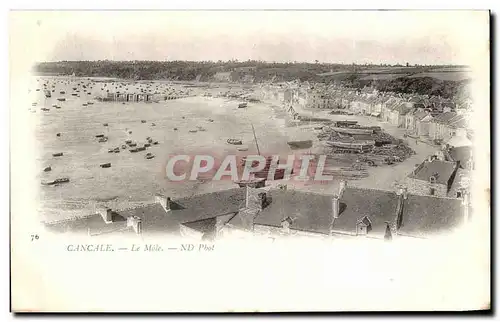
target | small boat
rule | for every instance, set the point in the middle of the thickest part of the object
(84, 104)
(242, 105)
(58, 154)
(149, 156)
(129, 132)
(106, 165)
(103, 139)
(90, 103)
(34, 104)
(175, 129)
(193, 131)
(74, 94)
(58, 134)
(111, 150)
(210, 120)
(47, 169)
(143, 121)
(300, 144)
(128, 141)
(62, 92)
(141, 148)
(155, 143)
(147, 145)
(352, 130)
(124, 146)
(234, 141)
(105, 124)
(243, 148)
(99, 136)
(133, 144)
(153, 124)
(56, 181)
(134, 150)
(61, 99)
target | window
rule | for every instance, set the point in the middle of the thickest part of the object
(459, 194)
(432, 179)
(432, 191)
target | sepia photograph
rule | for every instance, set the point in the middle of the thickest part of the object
(250, 160)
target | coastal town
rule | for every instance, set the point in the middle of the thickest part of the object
(401, 163)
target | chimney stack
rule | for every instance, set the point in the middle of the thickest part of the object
(255, 198)
(163, 201)
(335, 206)
(136, 223)
(106, 214)
(342, 187)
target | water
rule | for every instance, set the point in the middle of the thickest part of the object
(132, 179)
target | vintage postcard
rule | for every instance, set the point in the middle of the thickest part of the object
(249, 161)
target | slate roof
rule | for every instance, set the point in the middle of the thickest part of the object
(378, 205)
(427, 215)
(189, 210)
(461, 154)
(444, 169)
(309, 211)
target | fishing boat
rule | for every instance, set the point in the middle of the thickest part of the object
(58, 134)
(61, 99)
(143, 121)
(147, 145)
(47, 169)
(149, 156)
(133, 144)
(58, 154)
(124, 146)
(103, 139)
(346, 123)
(105, 124)
(352, 130)
(234, 141)
(45, 109)
(141, 148)
(84, 104)
(105, 165)
(62, 92)
(128, 141)
(99, 136)
(193, 131)
(134, 150)
(295, 145)
(56, 181)
(243, 148)
(242, 105)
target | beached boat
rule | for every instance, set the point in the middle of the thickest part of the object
(61, 99)
(105, 165)
(99, 136)
(346, 123)
(242, 105)
(132, 144)
(47, 169)
(56, 181)
(103, 139)
(149, 156)
(58, 154)
(234, 141)
(346, 130)
(305, 144)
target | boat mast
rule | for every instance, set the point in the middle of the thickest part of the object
(255, 138)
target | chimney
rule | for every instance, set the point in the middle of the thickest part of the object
(342, 187)
(402, 196)
(136, 223)
(255, 198)
(163, 201)
(106, 214)
(465, 205)
(335, 206)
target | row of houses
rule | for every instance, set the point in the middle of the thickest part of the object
(431, 118)
(348, 212)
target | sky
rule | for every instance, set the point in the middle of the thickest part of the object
(417, 37)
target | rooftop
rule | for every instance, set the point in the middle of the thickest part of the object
(441, 170)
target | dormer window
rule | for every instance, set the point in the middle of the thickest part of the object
(363, 226)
